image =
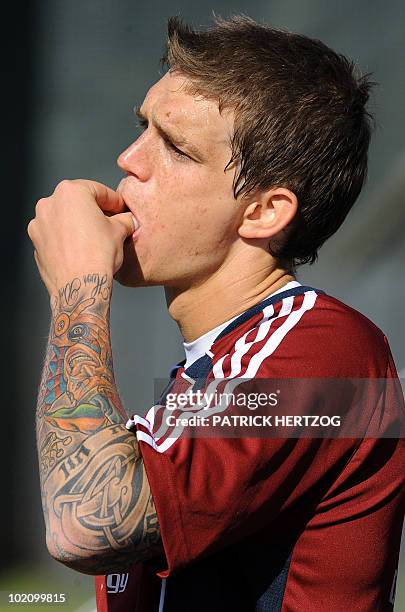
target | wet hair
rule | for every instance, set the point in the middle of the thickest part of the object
(300, 118)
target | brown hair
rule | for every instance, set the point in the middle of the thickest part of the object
(300, 118)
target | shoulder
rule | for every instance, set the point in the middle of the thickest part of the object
(310, 334)
(334, 339)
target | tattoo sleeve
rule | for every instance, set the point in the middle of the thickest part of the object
(98, 509)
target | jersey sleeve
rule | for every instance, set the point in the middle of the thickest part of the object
(211, 492)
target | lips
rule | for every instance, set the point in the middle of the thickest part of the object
(121, 191)
(136, 223)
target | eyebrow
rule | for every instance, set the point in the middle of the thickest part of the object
(177, 140)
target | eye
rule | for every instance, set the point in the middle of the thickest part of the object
(177, 152)
(143, 123)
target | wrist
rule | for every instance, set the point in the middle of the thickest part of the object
(69, 290)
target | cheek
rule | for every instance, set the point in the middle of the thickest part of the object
(216, 212)
(208, 231)
(189, 204)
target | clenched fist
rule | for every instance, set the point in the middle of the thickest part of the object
(72, 235)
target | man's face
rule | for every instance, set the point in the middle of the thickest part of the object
(177, 189)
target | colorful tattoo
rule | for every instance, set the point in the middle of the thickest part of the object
(95, 493)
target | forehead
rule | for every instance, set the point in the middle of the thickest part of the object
(168, 101)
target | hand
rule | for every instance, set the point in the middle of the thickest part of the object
(72, 235)
(129, 273)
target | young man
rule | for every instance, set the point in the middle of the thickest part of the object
(254, 150)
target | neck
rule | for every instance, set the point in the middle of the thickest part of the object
(198, 309)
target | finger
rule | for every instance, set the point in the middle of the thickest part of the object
(125, 224)
(30, 229)
(109, 201)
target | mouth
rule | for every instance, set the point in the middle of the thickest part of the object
(137, 225)
(130, 209)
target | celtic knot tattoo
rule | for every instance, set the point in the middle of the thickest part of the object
(98, 508)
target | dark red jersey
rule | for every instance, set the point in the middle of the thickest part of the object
(260, 524)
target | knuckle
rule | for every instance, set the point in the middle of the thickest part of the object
(40, 204)
(64, 185)
(30, 228)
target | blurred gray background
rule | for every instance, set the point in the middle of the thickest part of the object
(74, 73)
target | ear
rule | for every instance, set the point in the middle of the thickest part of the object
(270, 212)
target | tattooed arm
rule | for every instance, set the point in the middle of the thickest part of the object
(98, 509)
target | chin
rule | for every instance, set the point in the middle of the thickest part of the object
(129, 279)
(130, 274)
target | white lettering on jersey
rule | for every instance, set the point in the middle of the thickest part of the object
(116, 583)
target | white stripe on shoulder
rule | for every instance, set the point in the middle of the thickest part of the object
(264, 328)
(279, 334)
(242, 347)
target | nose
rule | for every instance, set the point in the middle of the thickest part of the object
(133, 160)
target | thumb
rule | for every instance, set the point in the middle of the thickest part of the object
(124, 223)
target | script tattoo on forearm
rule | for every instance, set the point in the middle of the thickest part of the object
(95, 494)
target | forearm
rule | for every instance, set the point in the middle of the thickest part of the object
(95, 494)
